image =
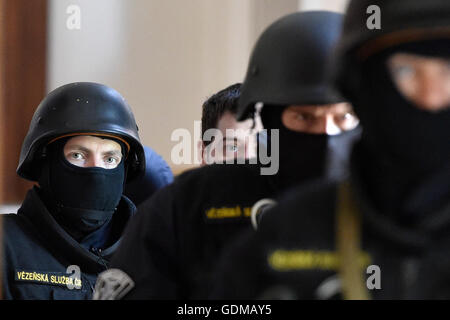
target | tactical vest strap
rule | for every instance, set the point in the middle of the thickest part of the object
(348, 240)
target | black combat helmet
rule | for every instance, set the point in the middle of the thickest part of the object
(401, 21)
(400, 137)
(82, 108)
(289, 63)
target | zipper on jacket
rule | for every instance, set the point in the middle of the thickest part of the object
(98, 252)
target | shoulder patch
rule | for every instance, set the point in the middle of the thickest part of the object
(48, 278)
(283, 260)
(236, 212)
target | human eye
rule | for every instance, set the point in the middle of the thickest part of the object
(347, 120)
(76, 155)
(348, 116)
(304, 117)
(112, 161)
(231, 147)
(403, 71)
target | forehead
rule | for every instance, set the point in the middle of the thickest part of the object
(320, 109)
(92, 143)
(404, 57)
(228, 121)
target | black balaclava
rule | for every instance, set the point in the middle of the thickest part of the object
(404, 152)
(80, 199)
(305, 156)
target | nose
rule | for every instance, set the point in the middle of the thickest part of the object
(94, 162)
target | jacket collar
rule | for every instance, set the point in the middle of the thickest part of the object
(62, 244)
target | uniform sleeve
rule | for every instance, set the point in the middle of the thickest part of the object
(6, 290)
(148, 252)
(10, 230)
(160, 171)
(237, 273)
(157, 175)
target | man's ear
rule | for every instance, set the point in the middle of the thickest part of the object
(200, 152)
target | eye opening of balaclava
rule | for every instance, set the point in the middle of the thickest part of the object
(306, 156)
(398, 131)
(80, 199)
(403, 156)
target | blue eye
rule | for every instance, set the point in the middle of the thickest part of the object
(304, 117)
(111, 160)
(348, 116)
(77, 156)
(233, 148)
(403, 71)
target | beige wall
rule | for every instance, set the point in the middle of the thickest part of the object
(165, 56)
(333, 5)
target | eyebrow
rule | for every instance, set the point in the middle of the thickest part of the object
(322, 110)
(315, 112)
(231, 139)
(80, 148)
(113, 153)
(86, 150)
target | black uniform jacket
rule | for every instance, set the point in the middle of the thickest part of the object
(42, 261)
(172, 246)
(293, 254)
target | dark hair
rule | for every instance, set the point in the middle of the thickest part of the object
(215, 106)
